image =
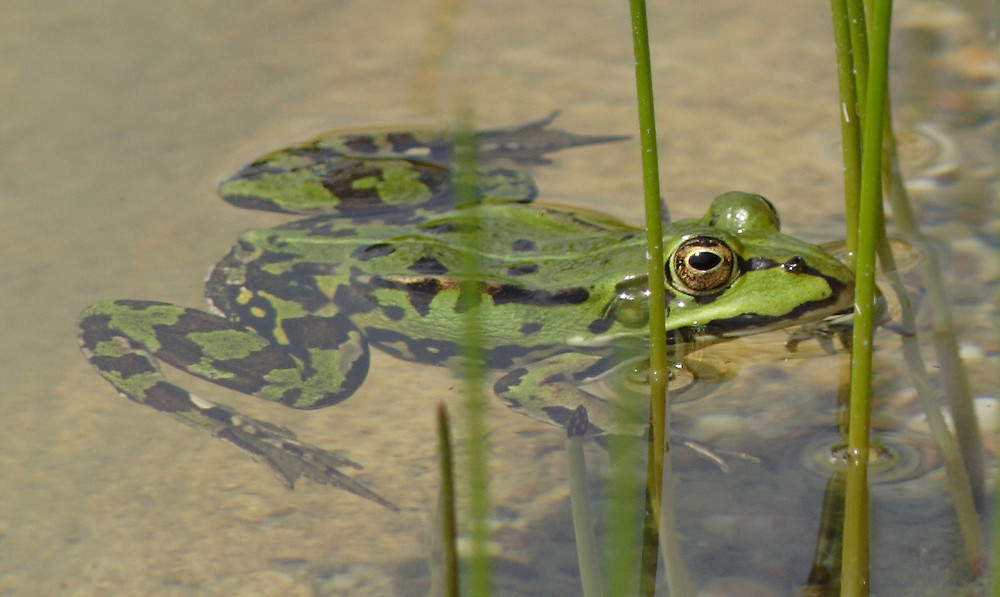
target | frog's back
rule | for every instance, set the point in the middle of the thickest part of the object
(531, 245)
(540, 271)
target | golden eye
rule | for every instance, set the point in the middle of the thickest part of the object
(702, 265)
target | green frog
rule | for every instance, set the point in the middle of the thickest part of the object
(385, 259)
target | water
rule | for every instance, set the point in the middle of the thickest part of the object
(118, 119)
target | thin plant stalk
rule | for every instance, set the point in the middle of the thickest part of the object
(659, 481)
(654, 247)
(956, 381)
(856, 12)
(850, 127)
(448, 520)
(473, 375)
(963, 461)
(959, 467)
(855, 564)
(658, 417)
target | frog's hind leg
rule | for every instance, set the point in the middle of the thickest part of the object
(320, 362)
(398, 176)
(124, 340)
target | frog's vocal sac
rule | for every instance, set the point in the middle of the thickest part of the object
(382, 259)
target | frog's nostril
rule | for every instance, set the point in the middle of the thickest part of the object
(795, 265)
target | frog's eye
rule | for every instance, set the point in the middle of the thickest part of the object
(702, 265)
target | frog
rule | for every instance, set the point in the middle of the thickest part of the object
(381, 257)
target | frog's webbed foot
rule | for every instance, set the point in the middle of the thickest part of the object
(528, 143)
(289, 458)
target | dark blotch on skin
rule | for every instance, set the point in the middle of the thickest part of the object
(505, 356)
(350, 302)
(531, 328)
(422, 293)
(167, 398)
(425, 350)
(559, 414)
(127, 365)
(513, 293)
(290, 397)
(373, 251)
(505, 383)
(95, 329)
(523, 244)
(599, 326)
(573, 296)
(403, 142)
(522, 269)
(510, 293)
(572, 421)
(428, 265)
(393, 312)
(597, 369)
(361, 143)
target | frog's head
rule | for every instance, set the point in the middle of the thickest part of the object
(733, 273)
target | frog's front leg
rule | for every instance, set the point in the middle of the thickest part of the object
(124, 339)
(550, 390)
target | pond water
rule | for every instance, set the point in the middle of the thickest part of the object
(118, 119)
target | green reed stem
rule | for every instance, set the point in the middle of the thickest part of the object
(657, 300)
(850, 127)
(654, 248)
(963, 460)
(449, 526)
(856, 23)
(659, 481)
(855, 565)
(473, 375)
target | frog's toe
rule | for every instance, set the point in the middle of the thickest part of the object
(291, 459)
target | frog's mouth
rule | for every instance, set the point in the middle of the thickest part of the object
(838, 304)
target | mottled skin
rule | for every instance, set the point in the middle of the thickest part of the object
(385, 259)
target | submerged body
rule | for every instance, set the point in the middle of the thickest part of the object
(387, 261)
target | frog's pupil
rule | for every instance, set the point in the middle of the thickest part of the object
(704, 260)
